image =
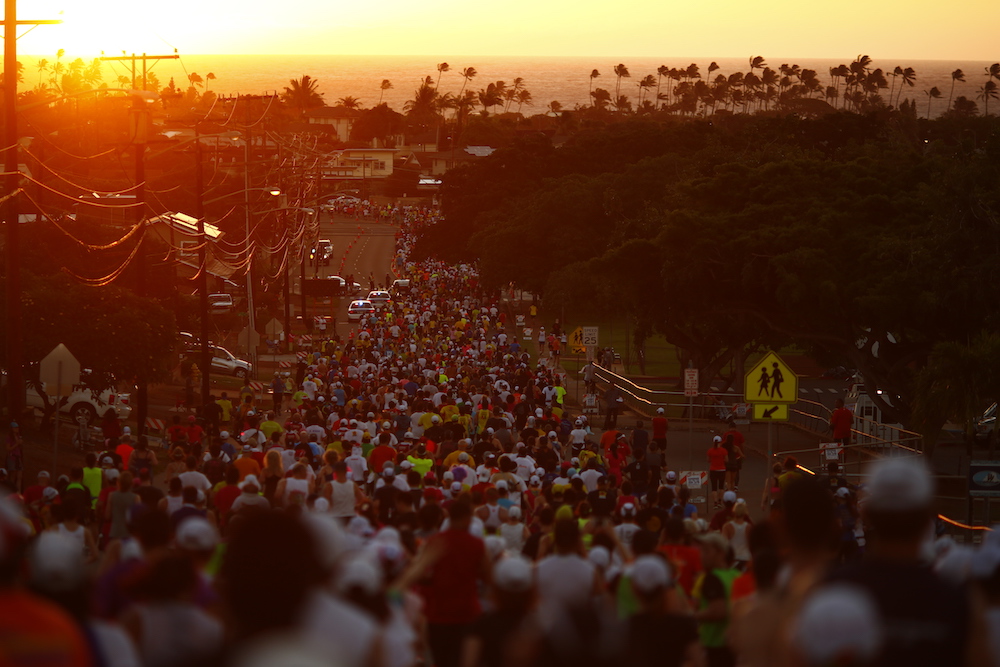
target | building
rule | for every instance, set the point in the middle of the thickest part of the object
(340, 119)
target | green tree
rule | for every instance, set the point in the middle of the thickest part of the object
(932, 94)
(593, 75)
(349, 102)
(303, 94)
(621, 72)
(441, 68)
(957, 75)
(386, 85)
(988, 91)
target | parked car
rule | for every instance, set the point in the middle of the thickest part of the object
(85, 406)
(346, 289)
(379, 298)
(222, 359)
(324, 251)
(400, 285)
(220, 303)
(228, 363)
(359, 308)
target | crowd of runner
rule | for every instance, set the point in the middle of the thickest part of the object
(425, 496)
(412, 217)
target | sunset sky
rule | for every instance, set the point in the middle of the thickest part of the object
(924, 29)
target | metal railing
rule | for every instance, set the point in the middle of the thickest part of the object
(709, 405)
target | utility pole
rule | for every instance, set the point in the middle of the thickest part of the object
(251, 348)
(12, 245)
(205, 362)
(139, 138)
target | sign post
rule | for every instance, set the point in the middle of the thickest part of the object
(771, 386)
(690, 390)
(59, 371)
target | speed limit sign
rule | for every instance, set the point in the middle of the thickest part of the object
(590, 336)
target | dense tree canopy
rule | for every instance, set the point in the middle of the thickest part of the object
(869, 239)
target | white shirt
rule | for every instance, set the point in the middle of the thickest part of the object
(564, 581)
(347, 634)
(590, 477)
(357, 465)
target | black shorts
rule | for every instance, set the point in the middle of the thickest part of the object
(718, 479)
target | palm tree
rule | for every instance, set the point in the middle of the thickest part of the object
(932, 94)
(621, 72)
(909, 77)
(989, 91)
(523, 96)
(957, 75)
(442, 68)
(756, 62)
(386, 85)
(712, 66)
(43, 66)
(195, 80)
(349, 102)
(303, 94)
(645, 84)
(993, 71)
(555, 108)
(424, 100)
(895, 72)
(208, 77)
(601, 98)
(661, 72)
(511, 94)
(468, 74)
(593, 75)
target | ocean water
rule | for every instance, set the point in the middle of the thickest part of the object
(565, 79)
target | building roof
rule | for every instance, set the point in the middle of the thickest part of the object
(331, 112)
(185, 224)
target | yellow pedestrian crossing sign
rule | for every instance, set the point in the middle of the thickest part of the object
(770, 412)
(771, 381)
(576, 344)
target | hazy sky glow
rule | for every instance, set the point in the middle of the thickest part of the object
(916, 29)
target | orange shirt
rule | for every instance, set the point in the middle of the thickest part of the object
(36, 632)
(247, 466)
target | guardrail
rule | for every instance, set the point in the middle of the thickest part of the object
(709, 405)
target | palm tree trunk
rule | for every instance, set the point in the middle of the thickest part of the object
(952, 93)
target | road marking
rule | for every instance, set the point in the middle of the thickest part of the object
(803, 390)
(834, 391)
(818, 390)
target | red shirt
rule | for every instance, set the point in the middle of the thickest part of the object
(225, 498)
(738, 438)
(379, 456)
(124, 450)
(194, 433)
(451, 596)
(659, 428)
(717, 458)
(686, 561)
(841, 420)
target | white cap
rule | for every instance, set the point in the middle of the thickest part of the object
(729, 497)
(514, 512)
(50, 493)
(111, 473)
(407, 436)
(838, 624)
(717, 438)
(321, 505)
(360, 573)
(538, 412)
(105, 461)
(196, 534)
(56, 562)
(649, 573)
(600, 556)
(405, 465)
(250, 480)
(628, 509)
(223, 434)
(671, 476)
(513, 575)
(843, 492)
(899, 484)
(501, 484)
(329, 537)
(484, 476)
(456, 487)
(659, 411)
(45, 473)
(435, 419)
(535, 480)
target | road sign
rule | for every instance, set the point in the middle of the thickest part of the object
(249, 338)
(984, 479)
(690, 382)
(520, 320)
(590, 336)
(741, 413)
(770, 412)
(771, 381)
(274, 328)
(526, 333)
(831, 450)
(575, 341)
(59, 370)
(694, 479)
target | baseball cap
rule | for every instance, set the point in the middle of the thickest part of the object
(600, 556)
(249, 480)
(434, 493)
(838, 624)
(534, 481)
(405, 465)
(105, 461)
(191, 418)
(899, 484)
(223, 434)
(501, 484)
(196, 534)
(552, 435)
(538, 412)
(628, 509)
(388, 472)
(650, 573)
(435, 419)
(463, 457)
(359, 573)
(671, 476)
(128, 429)
(111, 474)
(407, 436)
(321, 505)
(456, 487)
(717, 438)
(513, 575)
(729, 497)
(56, 563)
(659, 411)
(45, 473)
(50, 493)
(843, 492)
